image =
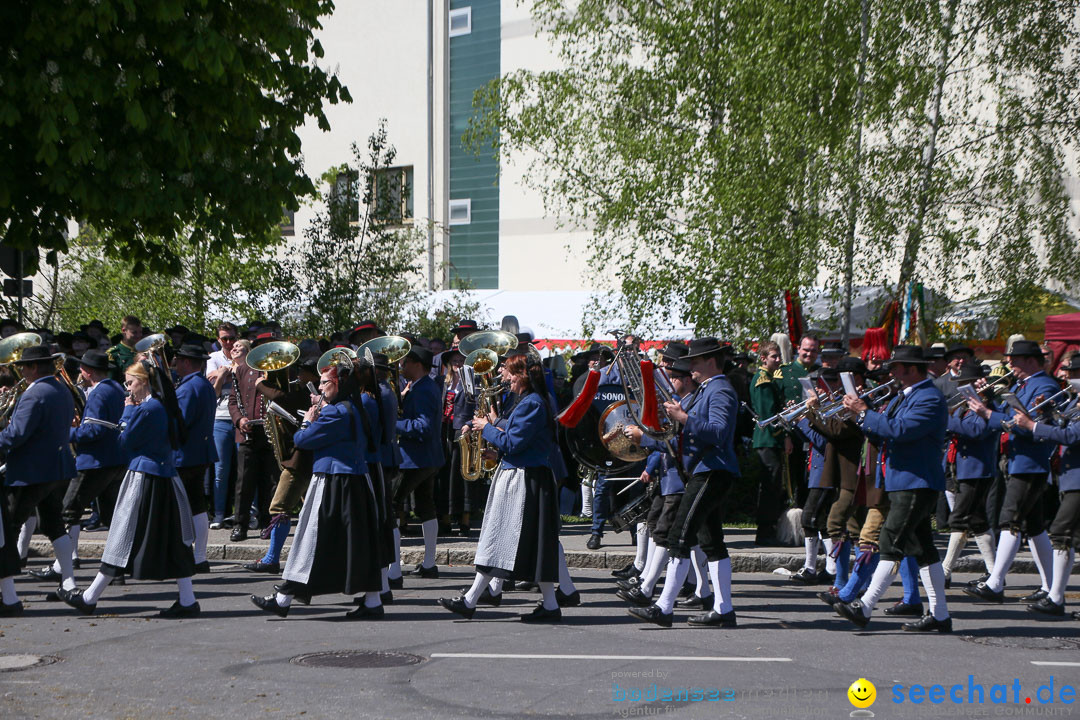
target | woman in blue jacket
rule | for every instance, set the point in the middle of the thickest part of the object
(335, 549)
(151, 533)
(520, 536)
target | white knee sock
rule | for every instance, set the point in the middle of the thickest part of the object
(987, 549)
(496, 585)
(283, 600)
(830, 561)
(7, 589)
(657, 562)
(701, 572)
(1008, 544)
(187, 592)
(202, 534)
(676, 575)
(1043, 553)
(586, 500)
(957, 540)
(431, 536)
(950, 498)
(73, 533)
(383, 574)
(62, 548)
(372, 599)
(547, 590)
(811, 543)
(92, 593)
(395, 567)
(720, 572)
(1063, 562)
(881, 580)
(479, 583)
(566, 583)
(642, 550)
(933, 580)
(25, 533)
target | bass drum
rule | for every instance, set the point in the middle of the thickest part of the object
(585, 441)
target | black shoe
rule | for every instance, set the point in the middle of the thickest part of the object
(927, 623)
(594, 542)
(948, 580)
(564, 600)
(76, 563)
(1046, 606)
(120, 579)
(1035, 597)
(527, 587)
(486, 598)
(636, 597)
(430, 573)
(74, 598)
(457, 605)
(629, 583)
(982, 591)
(625, 573)
(826, 578)
(387, 598)
(981, 579)
(270, 604)
(260, 567)
(509, 586)
(541, 614)
(695, 603)
(46, 574)
(829, 597)
(366, 613)
(302, 599)
(180, 612)
(239, 533)
(805, 576)
(396, 583)
(203, 567)
(853, 612)
(687, 590)
(652, 614)
(52, 596)
(714, 619)
(13, 610)
(903, 609)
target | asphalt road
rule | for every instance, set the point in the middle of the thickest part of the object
(790, 656)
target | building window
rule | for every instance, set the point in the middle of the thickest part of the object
(345, 195)
(393, 195)
(460, 212)
(460, 21)
(288, 224)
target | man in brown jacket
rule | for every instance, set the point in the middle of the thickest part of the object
(256, 469)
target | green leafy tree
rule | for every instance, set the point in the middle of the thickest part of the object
(158, 120)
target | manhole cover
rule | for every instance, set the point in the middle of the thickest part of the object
(13, 662)
(1026, 643)
(357, 659)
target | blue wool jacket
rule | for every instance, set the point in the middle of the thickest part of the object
(97, 446)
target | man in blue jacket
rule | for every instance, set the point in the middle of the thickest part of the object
(1028, 471)
(707, 444)
(911, 433)
(39, 463)
(420, 438)
(198, 403)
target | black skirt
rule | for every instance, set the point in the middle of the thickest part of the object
(537, 556)
(158, 550)
(9, 554)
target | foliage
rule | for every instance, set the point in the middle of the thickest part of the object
(437, 320)
(161, 121)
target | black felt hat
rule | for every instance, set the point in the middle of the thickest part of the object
(1025, 348)
(422, 355)
(851, 364)
(95, 359)
(703, 347)
(35, 354)
(674, 350)
(192, 352)
(957, 348)
(909, 355)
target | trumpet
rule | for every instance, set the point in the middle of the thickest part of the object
(871, 397)
(1046, 408)
(957, 399)
(788, 417)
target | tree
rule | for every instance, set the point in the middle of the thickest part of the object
(157, 120)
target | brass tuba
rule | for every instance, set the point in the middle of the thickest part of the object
(11, 350)
(274, 358)
(482, 351)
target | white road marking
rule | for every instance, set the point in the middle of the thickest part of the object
(679, 658)
(1055, 664)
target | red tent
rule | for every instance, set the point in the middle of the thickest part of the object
(1062, 334)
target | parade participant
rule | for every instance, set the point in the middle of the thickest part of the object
(197, 401)
(957, 356)
(911, 432)
(256, 467)
(935, 355)
(1028, 471)
(708, 420)
(364, 331)
(39, 465)
(520, 534)
(421, 449)
(380, 431)
(390, 460)
(464, 496)
(151, 534)
(771, 443)
(295, 465)
(335, 549)
(122, 353)
(802, 366)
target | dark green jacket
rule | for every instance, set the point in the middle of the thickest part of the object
(766, 398)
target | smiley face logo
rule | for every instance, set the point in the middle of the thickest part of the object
(862, 693)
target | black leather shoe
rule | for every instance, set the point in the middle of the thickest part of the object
(74, 598)
(366, 613)
(805, 576)
(179, 612)
(203, 567)
(46, 574)
(853, 611)
(829, 597)
(302, 599)
(540, 614)
(927, 623)
(1046, 606)
(486, 598)
(387, 598)
(527, 586)
(120, 579)
(636, 597)
(457, 605)
(396, 583)
(270, 604)
(13, 610)
(687, 590)
(625, 573)
(76, 563)
(652, 614)
(714, 619)
(509, 586)
(903, 609)
(982, 591)
(948, 580)
(430, 573)
(260, 567)
(629, 583)
(1035, 597)
(564, 600)
(594, 542)
(239, 533)
(695, 603)
(981, 579)
(52, 596)
(826, 578)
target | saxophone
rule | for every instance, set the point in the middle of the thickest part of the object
(472, 444)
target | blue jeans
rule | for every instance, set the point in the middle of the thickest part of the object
(601, 505)
(225, 442)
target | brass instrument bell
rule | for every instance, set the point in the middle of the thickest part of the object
(336, 356)
(394, 347)
(497, 341)
(11, 349)
(272, 356)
